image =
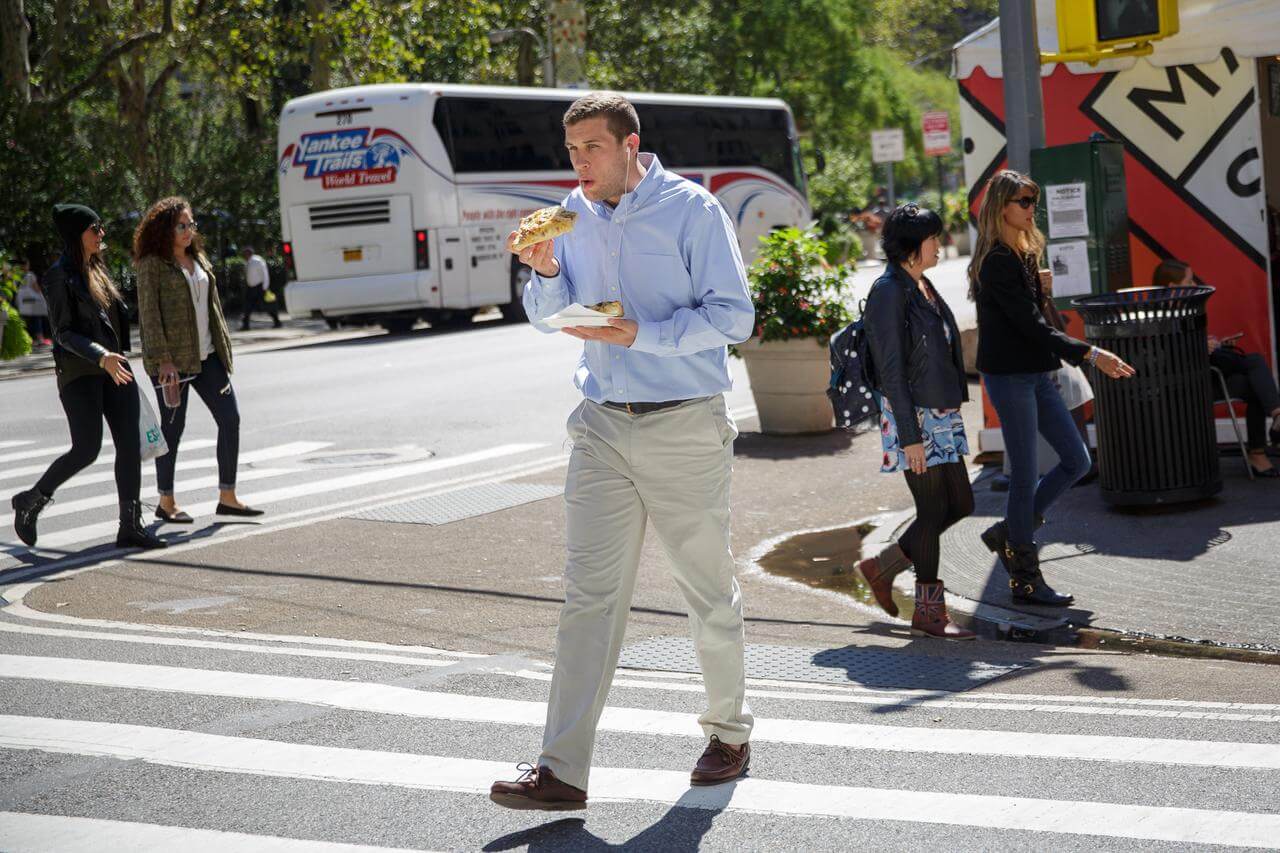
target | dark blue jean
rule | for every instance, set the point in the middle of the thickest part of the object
(1029, 403)
(214, 387)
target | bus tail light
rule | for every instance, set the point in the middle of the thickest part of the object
(289, 268)
(421, 250)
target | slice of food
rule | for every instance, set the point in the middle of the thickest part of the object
(543, 225)
(613, 309)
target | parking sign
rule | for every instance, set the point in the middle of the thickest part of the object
(937, 133)
(887, 146)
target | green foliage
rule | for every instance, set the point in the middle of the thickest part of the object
(955, 212)
(16, 341)
(843, 187)
(796, 293)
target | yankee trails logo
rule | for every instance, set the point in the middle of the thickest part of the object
(353, 157)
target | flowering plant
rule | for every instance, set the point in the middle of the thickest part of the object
(796, 293)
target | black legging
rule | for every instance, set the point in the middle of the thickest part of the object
(87, 401)
(1249, 379)
(943, 496)
(214, 387)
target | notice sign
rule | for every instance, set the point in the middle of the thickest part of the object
(1068, 216)
(1070, 265)
(887, 146)
(937, 133)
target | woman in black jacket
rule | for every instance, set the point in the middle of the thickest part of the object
(919, 370)
(90, 334)
(1018, 353)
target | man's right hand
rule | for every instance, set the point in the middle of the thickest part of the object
(540, 256)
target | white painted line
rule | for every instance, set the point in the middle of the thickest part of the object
(147, 493)
(41, 833)
(388, 699)
(224, 646)
(279, 451)
(219, 753)
(106, 457)
(19, 443)
(65, 538)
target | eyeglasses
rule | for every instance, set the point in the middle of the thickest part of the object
(1025, 202)
(184, 227)
(97, 228)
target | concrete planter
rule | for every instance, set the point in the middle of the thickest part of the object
(960, 239)
(789, 381)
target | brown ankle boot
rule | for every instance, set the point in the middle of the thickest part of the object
(879, 572)
(930, 618)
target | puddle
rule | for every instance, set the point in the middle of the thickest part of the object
(827, 560)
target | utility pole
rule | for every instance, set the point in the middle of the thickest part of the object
(1023, 100)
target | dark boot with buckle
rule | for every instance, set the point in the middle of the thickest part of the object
(879, 572)
(996, 538)
(26, 509)
(538, 788)
(930, 618)
(132, 534)
(721, 762)
(1026, 582)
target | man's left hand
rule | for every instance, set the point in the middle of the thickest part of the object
(620, 332)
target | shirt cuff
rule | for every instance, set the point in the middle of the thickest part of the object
(647, 337)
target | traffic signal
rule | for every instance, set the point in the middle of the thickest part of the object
(1092, 30)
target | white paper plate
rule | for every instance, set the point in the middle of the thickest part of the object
(557, 322)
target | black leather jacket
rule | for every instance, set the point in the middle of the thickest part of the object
(914, 363)
(82, 331)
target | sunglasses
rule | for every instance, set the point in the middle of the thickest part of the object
(1025, 202)
(184, 227)
(97, 228)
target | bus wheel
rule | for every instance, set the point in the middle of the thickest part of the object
(513, 311)
(453, 318)
(398, 325)
(334, 323)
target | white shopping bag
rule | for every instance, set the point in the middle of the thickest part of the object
(149, 434)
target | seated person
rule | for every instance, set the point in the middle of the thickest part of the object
(1247, 374)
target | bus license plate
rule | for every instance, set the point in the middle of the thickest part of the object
(353, 254)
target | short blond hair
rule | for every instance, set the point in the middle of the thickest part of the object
(619, 114)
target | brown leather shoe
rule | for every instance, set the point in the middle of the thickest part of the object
(930, 618)
(538, 788)
(879, 572)
(721, 762)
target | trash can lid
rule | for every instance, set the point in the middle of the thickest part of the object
(1158, 300)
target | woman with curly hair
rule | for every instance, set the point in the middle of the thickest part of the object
(185, 343)
(90, 337)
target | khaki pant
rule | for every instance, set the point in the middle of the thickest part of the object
(673, 467)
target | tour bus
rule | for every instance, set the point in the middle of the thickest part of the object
(396, 199)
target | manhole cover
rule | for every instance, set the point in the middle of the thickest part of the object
(365, 458)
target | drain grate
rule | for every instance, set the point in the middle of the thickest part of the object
(460, 504)
(874, 668)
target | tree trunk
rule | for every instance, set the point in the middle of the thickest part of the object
(524, 62)
(321, 45)
(15, 35)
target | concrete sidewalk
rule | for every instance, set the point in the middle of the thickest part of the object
(1203, 573)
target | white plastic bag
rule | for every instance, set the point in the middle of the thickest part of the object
(149, 434)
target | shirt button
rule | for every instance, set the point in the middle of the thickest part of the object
(614, 289)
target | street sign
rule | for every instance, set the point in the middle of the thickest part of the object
(937, 133)
(887, 146)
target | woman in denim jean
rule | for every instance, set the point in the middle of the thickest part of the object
(1018, 353)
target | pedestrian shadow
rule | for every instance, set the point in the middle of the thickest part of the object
(683, 827)
(25, 559)
(756, 445)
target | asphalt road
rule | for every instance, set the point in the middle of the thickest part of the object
(321, 680)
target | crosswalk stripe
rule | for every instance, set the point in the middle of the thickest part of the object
(279, 451)
(88, 532)
(221, 753)
(389, 699)
(18, 443)
(180, 487)
(106, 457)
(41, 833)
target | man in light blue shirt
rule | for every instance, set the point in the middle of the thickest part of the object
(653, 439)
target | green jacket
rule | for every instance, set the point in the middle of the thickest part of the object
(167, 317)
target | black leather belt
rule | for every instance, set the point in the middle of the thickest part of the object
(642, 408)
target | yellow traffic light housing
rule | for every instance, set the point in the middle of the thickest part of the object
(1093, 30)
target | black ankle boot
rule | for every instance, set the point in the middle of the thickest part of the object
(132, 534)
(1027, 583)
(26, 509)
(996, 538)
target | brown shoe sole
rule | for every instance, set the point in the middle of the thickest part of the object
(706, 783)
(515, 801)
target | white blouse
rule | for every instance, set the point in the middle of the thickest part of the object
(199, 283)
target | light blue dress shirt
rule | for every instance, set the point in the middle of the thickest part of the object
(670, 255)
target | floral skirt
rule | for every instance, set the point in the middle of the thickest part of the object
(942, 432)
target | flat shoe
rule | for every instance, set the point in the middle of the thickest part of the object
(1269, 474)
(179, 517)
(243, 512)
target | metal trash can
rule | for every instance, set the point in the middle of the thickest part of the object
(1156, 438)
